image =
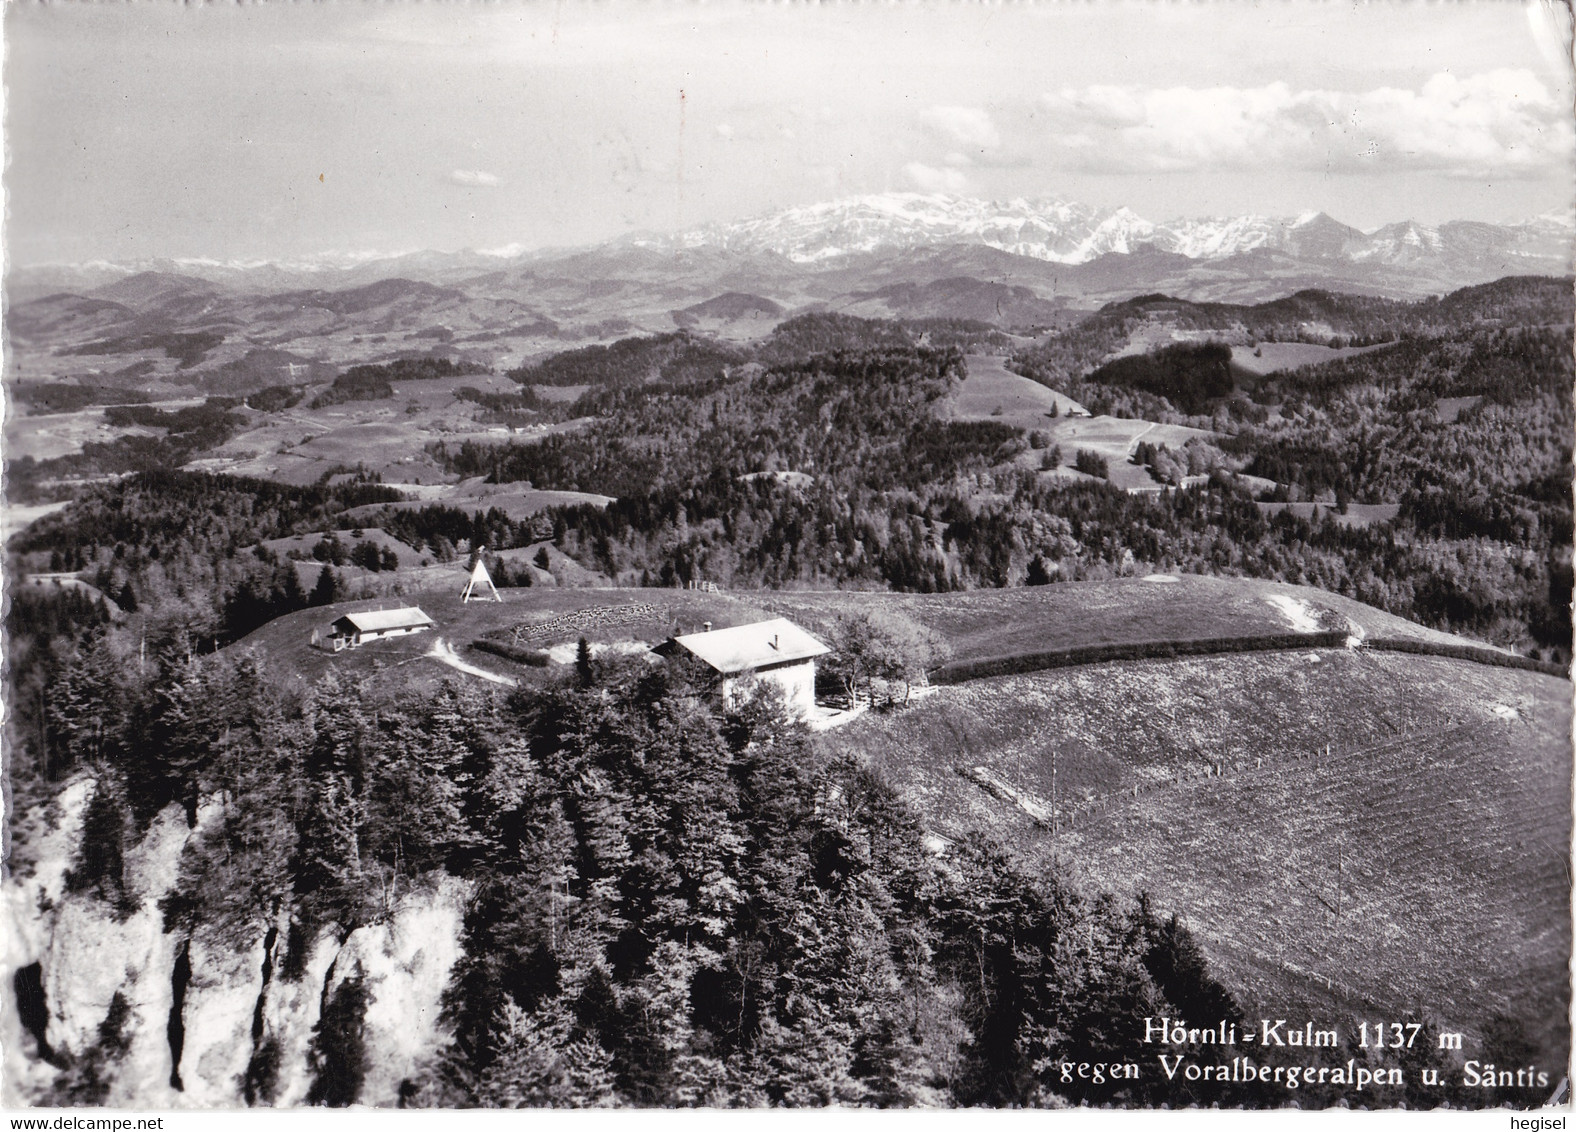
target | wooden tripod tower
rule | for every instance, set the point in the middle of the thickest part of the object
(474, 590)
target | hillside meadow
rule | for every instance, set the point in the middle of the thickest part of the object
(1349, 834)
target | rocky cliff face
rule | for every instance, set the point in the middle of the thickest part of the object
(206, 1026)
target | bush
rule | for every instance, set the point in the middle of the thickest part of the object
(1190, 376)
(274, 398)
(533, 657)
(366, 556)
(330, 549)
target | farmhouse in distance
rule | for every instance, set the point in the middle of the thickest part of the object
(356, 629)
(775, 652)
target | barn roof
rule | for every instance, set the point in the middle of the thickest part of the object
(375, 620)
(744, 648)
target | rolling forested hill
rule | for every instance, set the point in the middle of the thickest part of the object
(628, 896)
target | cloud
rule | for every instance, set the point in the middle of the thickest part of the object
(962, 125)
(1501, 123)
(929, 179)
(473, 179)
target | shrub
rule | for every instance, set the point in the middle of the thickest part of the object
(536, 658)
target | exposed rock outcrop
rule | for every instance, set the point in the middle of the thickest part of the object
(209, 1026)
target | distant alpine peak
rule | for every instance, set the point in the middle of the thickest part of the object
(1064, 231)
(1046, 227)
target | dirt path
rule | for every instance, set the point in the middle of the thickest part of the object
(444, 653)
(1133, 443)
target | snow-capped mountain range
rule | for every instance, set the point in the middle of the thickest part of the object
(1061, 250)
(1068, 232)
(1017, 265)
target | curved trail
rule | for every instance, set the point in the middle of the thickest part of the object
(444, 653)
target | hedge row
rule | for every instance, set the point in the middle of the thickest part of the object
(536, 658)
(1467, 652)
(961, 671)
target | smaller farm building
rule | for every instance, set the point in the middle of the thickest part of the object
(776, 652)
(356, 629)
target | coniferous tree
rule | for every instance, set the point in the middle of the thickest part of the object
(539, 1065)
(338, 1052)
(100, 864)
(326, 591)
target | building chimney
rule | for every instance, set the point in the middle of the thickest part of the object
(705, 626)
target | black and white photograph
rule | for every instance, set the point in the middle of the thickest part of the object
(745, 555)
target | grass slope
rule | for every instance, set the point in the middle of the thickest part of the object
(389, 436)
(475, 494)
(993, 392)
(1437, 825)
(1115, 438)
(1271, 357)
(984, 624)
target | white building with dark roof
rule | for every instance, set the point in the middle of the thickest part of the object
(777, 653)
(352, 630)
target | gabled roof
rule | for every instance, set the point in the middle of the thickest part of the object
(374, 620)
(747, 647)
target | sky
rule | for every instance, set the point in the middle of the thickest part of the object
(287, 130)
